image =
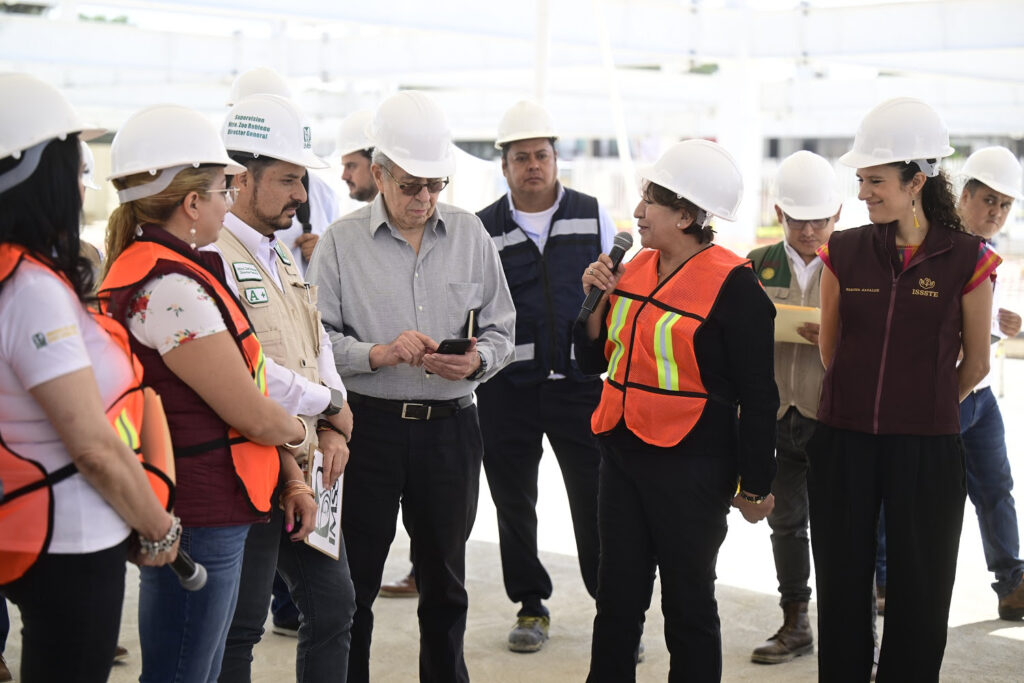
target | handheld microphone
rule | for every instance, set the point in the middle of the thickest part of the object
(191, 574)
(623, 241)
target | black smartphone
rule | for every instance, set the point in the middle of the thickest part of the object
(454, 346)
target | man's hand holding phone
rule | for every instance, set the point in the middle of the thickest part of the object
(453, 359)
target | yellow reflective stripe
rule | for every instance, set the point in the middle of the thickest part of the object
(126, 430)
(668, 371)
(620, 312)
(260, 374)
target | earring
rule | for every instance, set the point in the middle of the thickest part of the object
(679, 224)
(192, 235)
(913, 207)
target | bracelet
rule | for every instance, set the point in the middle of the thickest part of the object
(154, 548)
(756, 500)
(305, 435)
(325, 425)
(295, 487)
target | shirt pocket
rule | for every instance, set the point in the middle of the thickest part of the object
(462, 297)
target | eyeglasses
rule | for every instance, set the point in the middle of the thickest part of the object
(230, 194)
(797, 224)
(413, 189)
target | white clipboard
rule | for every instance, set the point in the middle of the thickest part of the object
(326, 534)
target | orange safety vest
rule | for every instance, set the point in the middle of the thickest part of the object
(26, 488)
(653, 376)
(257, 466)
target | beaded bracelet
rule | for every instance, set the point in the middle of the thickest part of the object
(154, 548)
(756, 500)
(295, 487)
(327, 426)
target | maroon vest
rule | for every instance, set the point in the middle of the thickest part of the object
(209, 493)
(894, 369)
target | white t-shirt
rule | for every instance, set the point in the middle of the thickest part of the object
(46, 333)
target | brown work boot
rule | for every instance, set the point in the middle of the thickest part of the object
(1011, 608)
(791, 641)
(405, 587)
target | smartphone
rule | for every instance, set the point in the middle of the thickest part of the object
(454, 346)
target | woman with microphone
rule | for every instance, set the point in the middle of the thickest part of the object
(71, 487)
(686, 422)
(199, 352)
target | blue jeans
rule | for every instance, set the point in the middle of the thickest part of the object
(182, 633)
(989, 486)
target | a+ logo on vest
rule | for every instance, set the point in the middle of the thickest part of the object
(257, 295)
(927, 288)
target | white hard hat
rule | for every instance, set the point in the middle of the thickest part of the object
(525, 120)
(88, 166)
(33, 113)
(412, 131)
(806, 187)
(701, 172)
(270, 126)
(900, 129)
(998, 168)
(259, 81)
(165, 136)
(352, 135)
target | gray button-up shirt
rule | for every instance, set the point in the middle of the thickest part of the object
(374, 286)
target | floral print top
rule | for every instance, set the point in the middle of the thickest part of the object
(171, 310)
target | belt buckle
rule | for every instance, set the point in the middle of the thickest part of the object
(405, 409)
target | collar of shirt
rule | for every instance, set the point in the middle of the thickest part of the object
(379, 219)
(260, 246)
(803, 271)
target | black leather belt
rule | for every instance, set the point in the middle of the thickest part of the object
(413, 410)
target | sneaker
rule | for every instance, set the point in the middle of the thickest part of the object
(120, 653)
(405, 587)
(5, 673)
(287, 627)
(1011, 608)
(529, 634)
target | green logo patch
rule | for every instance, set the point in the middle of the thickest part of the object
(257, 295)
(246, 272)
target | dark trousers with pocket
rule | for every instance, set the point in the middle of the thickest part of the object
(921, 481)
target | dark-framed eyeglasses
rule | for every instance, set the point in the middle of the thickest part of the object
(413, 189)
(797, 224)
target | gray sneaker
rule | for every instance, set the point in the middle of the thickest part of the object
(529, 634)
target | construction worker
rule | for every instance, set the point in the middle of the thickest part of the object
(395, 278)
(321, 207)
(356, 151)
(282, 308)
(807, 204)
(546, 235)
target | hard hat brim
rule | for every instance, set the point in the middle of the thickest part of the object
(653, 174)
(997, 186)
(230, 167)
(442, 168)
(529, 135)
(810, 213)
(855, 159)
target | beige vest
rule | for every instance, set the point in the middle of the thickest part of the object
(286, 320)
(798, 369)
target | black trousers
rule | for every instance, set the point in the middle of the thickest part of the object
(70, 614)
(789, 519)
(921, 480)
(433, 468)
(666, 509)
(514, 421)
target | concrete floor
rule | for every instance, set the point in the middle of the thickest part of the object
(981, 648)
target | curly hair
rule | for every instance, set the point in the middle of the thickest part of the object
(665, 197)
(937, 198)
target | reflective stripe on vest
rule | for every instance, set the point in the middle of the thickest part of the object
(257, 466)
(26, 488)
(653, 378)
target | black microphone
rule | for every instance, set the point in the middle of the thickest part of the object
(623, 241)
(191, 574)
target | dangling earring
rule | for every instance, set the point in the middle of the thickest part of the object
(913, 207)
(192, 235)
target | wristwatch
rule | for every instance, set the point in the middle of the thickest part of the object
(337, 401)
(480, 370)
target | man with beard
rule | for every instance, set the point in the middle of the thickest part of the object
(267, 135)
(356, 151)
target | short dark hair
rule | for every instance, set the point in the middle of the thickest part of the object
(368, 153)
(658, 194)
(505, 147)
(42, 213)
(253, 164)
(973, 185)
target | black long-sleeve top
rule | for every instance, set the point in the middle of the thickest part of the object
(735, 352)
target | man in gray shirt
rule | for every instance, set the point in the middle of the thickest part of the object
(396, 278)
